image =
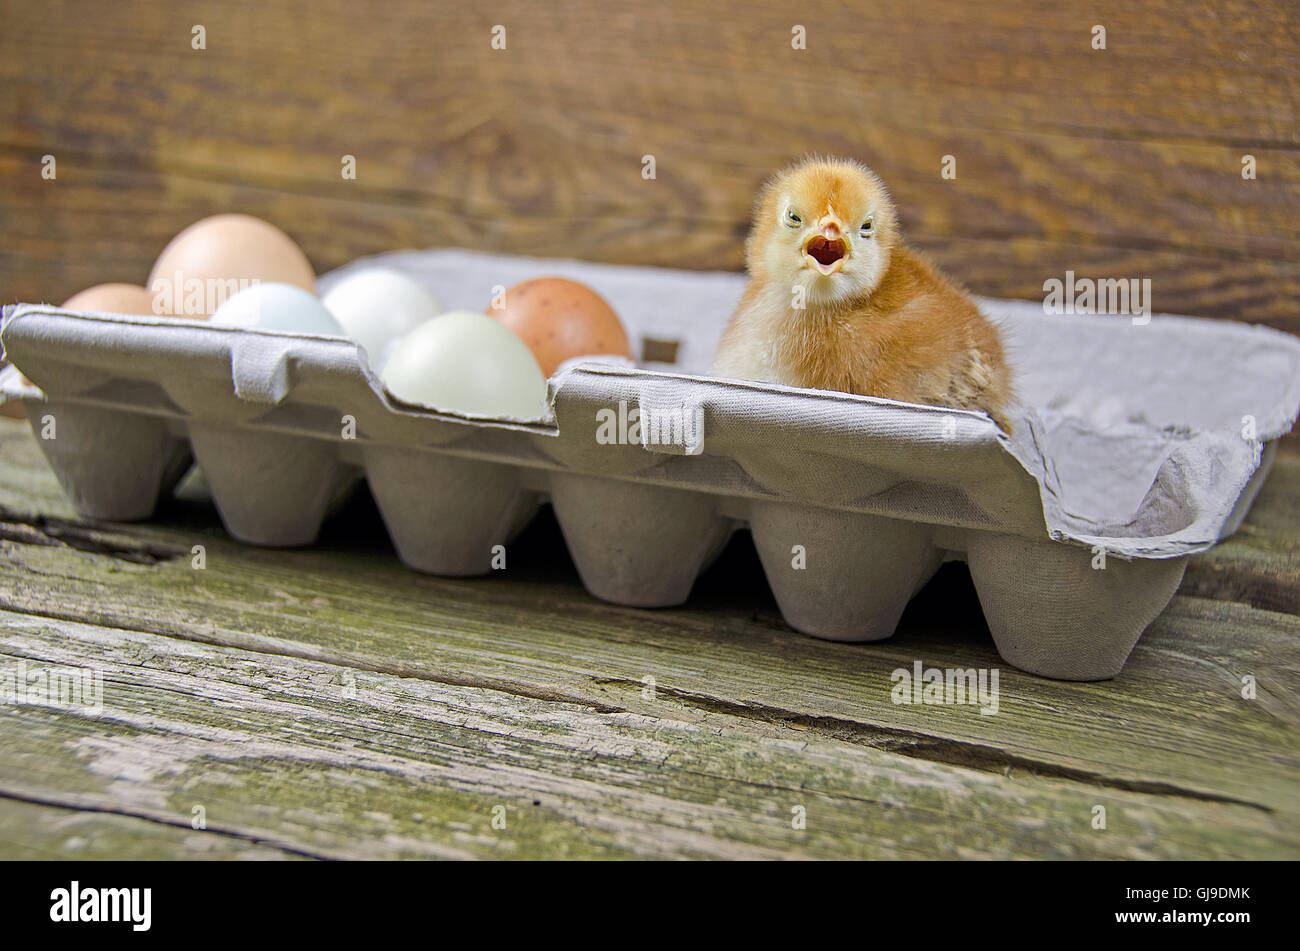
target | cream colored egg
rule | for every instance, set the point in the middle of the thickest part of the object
(378, 305)
(466, 362)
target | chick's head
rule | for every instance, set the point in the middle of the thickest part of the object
(826, 225)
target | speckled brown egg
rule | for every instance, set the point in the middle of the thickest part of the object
(559, 319)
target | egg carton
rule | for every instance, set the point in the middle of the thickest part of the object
(1140, 442)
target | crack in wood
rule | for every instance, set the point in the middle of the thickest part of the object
(50, 532)
(936, 749)
(82, 805)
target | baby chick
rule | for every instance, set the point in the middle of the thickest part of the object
(836, 301)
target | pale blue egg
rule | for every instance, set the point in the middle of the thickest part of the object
(273, 306)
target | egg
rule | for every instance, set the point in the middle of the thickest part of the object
(278, 307)
(112, 299)
(378, 305)
(465, 362)
(107, 299)
(559, 319)
(217, 256)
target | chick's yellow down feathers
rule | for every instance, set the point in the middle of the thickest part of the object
(836, 301)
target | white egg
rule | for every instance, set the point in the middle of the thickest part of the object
(275, 306)
(466, 362)
(378, 305)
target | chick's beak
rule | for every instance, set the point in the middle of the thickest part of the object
(826, 248)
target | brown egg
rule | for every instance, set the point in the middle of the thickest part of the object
(560, 319)
(215, 257)
(112, 299)
(104, 299)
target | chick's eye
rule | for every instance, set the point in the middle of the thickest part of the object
(868, 228)
(792, 220)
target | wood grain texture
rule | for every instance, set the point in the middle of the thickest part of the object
(319, 761)
(378, 712)
(1123, 162)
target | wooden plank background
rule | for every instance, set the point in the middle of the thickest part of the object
(1123, 162)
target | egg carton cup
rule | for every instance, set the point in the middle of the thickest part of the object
(1138, 444)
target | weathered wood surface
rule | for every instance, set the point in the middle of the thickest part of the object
(327, 702)
(1123, 162)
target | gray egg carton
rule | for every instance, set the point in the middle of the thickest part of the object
(1138, 444)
